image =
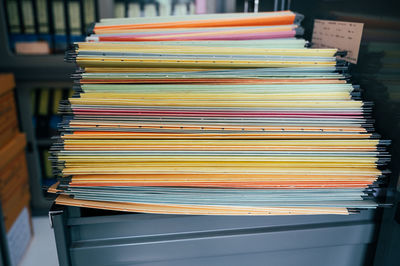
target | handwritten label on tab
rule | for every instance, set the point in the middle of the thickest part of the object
(345, 36)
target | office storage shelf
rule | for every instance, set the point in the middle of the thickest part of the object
(38, 144)
(34, 72)
(49, 67)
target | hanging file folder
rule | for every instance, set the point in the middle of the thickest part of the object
(215, 115)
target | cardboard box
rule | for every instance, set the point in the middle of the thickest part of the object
(8, 110)
(14, 185)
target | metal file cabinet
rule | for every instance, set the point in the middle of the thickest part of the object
(92, 237)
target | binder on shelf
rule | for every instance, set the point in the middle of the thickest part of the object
(48, 178)
(59, 19)
(90, 10)
(43, 19)
(119, 9)
(28, 16)
(13, 16)
(75, 18)
(57, 97)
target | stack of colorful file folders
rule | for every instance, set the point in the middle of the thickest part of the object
(214, 114)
